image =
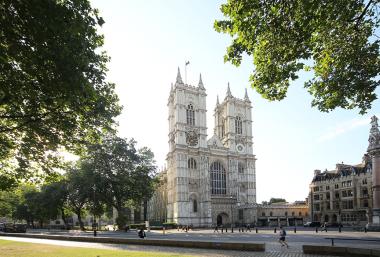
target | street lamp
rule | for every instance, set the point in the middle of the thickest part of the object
(232, 216)
(93, 212)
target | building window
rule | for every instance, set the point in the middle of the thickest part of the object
(365, 192)
(337, 195)
(364, 181)
(195, 206)
(241, 214)
(328, 195)
(190, 115)
(271, 214)
(241, 167)
(286, 214)
(238, 126)
(218, 179)
(263, 214)
(300, 214)
(293, 213)
(365, 203)
(347, 183)
(191, 163)
(327, 187)
(336, 186)
(223, 128)
(316, 197)
(347, 204)
(316, 189)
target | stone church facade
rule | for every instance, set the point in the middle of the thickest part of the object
(206, 180)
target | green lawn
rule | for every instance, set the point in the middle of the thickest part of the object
(19, 249)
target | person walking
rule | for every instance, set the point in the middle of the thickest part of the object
(282, 239)
(216, 229)
(324, 227)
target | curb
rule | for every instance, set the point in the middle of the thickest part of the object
(156, 242)
(340, 251)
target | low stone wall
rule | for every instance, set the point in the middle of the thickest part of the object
(339, 251)
(157, 242)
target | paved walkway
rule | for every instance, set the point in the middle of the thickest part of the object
(275, 250)
(267, 236)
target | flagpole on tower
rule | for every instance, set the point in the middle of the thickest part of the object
(186, 63)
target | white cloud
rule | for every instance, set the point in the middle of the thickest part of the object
(344, 128)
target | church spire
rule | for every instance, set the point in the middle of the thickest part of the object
(179, 78)
(228, 90)
(246, 98)
(217, 100)
(200, 84)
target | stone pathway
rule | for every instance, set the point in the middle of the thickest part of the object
(272, 249)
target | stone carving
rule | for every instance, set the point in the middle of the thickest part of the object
(191, 138)
(374, 135)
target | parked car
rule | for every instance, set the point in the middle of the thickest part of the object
(2, 227)
(12, 228)
(312, 224)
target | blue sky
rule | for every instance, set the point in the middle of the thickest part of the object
(148, 40)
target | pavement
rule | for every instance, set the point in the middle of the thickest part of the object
(267, 236)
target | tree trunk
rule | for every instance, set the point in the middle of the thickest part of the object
(63, 216)
(80, 220)
(121, 219)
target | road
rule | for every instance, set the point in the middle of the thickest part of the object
(273, 248)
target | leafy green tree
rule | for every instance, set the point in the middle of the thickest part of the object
(125, 174)
(277, 200)
(54, 197)
(79, 189)
(336, 40)
(53, 92)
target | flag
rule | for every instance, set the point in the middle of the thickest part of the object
(187, 63)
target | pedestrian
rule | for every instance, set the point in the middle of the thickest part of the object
(248, 228)
(324, 227)
(282, 239)
(216, 229)
(141, 233)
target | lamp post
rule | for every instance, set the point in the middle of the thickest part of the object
(232, 216)
(93, 212)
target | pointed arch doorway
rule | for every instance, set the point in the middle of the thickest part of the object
(221, 219)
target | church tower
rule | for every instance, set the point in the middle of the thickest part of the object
(209, 181)
(233, 126)
(187, 164)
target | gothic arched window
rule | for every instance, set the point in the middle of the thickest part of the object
(223, 128)
(195, 205)
(218, 179)
(190, 116)
(241, 167)
(238, 125)
(191, 163)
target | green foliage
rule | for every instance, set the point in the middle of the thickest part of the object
(336, 37)
(124, 174)
(277, 200)
(53, 92)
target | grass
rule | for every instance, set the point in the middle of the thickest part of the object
(20, 249)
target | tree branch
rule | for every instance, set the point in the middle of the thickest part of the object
(357, 19)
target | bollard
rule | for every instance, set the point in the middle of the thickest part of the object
(365, 229)
(239, 230)
(316, 229)
(94, 232)
(275, 230)
(257, 231)
(163, 230)
(232, 230)
(295, 229)
(340, 229)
